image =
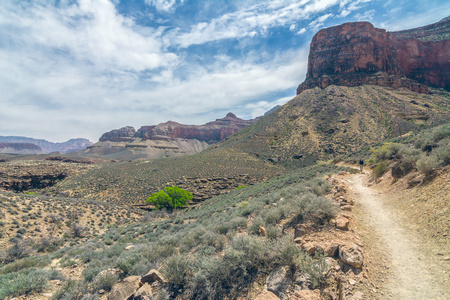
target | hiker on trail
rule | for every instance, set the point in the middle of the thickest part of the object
(361, 164)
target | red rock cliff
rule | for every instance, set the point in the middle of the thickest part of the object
(211, 132)
(358, 53)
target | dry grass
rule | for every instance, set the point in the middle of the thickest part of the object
(48, 223)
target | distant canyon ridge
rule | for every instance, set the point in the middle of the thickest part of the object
(357, 53)
(26, 145)
(164, 140)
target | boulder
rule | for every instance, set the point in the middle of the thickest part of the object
(332, 249)
(143, 293)
(351, 255)
(302, 229)
(267, 295)
(124, 289)
(152, 276)
(278, 282)
(306, 295)
(309, 248)
(342, 223)
(357, 296)
(262, 231)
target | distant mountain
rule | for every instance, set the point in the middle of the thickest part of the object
(20, 148)
(46, 146)
(164, 140)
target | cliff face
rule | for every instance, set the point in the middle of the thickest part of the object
(211, 132)
(168, 139)
(357, 53)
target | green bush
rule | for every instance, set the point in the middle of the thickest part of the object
(427, 163)
(380, 168)
(443, 151)
(176, 269)
(170, 198)
(315, 268)
(386, 151)
(104, 281)
(314, 208)
(23, 282)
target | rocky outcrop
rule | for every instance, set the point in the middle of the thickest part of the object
(124, 134)
(357, 53)
(164, 140)
(20, 176)
(211, 132)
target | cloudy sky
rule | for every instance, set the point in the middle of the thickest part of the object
(79, 68)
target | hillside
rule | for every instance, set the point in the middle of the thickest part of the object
(331, 122)
(206, 175)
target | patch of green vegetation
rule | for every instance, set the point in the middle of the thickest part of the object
(170, 198)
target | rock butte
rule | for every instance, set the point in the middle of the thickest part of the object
(357, 53)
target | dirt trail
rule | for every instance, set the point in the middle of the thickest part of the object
(409, 273)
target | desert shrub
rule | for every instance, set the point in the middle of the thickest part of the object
(314, 267)
(287, 252)
(72, 290)
(386, 151)
(177, 268)
(128, 260)
(79, 230)
(320, 187)
(380, 168)
(104, 281)
(315, 208)
(25, 263)
(92, 270)
(254, 227)
(427, 163)
(20, 249)
(47, 244)
(222, 227)
(443, 151)
(170, 198)
(273, 215)
(272, 232)
(433, 135)
(23, 282)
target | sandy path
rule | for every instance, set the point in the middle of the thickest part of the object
(410, 276)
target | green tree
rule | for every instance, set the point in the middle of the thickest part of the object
(170, 198)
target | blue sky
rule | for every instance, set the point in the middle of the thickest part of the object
(80, 68)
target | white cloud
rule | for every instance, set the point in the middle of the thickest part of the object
(319, 22)
(91, 32)
(243, 23)
(301, 31)
(366, 16)
(165, 5)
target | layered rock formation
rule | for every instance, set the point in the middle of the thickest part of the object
(164, 140)
(210, 132)
(357, 53)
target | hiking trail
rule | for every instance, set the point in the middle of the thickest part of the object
(408, 272)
